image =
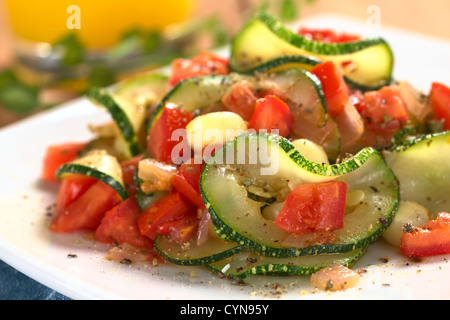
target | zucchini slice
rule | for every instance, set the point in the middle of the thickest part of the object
(144, 89)
(100, 165)
(422, 168)
(246, 264)
(215, 249)
(271, 162)
(196, 93)
(367, 63)
(128, 116)
(283, 63)
(302, 89)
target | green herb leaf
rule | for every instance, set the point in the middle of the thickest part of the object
(101, 76)
(288, 10)
(18, 97)
(73, 51)
(123, 49)
(7, 77)
(151, 41)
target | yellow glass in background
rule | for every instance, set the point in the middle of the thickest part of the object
(102, 22)
(49, 66)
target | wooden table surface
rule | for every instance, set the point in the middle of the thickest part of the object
(430, 17)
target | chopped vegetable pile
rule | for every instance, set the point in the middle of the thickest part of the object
(292, 156)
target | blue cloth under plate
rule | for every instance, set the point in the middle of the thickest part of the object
(14, 285)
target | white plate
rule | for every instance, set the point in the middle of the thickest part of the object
(27, 245)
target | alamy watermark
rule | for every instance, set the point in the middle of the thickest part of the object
(374, 20)
(74, 20)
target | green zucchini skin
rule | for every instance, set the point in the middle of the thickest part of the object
(94, 173)
(99, 165)
(261, 236)
(254, 44)
(422, 168)
(195, 93)
(101, 97)
(306, 63)
(290, 61)
(246, 264)
(212, 251)
(199, 93)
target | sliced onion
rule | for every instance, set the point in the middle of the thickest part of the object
(334, 278)
(351, 127)
(271, 211)
(418, 104)
(156, 175)
(203, 228)
(310, 131)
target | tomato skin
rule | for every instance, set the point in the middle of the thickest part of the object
(314, 207)
(272, 113)
(120, 226)
(71, 188)
(327, 35)
(187, 182)
(58, 155)
(241, 100)
(159, 142)
(334, 87)
(205, 63)
(381, 122)
(432, 239)
(440, 103)
(182, 230)
(384, 106)
(169, 208)
(87, 211)
(129, 168)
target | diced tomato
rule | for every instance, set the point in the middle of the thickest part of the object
(327, 35)
(350, 126)
(160, 143)
(71, 188)
(129, 168)
(384, 107)
(241, 100)
(440, 103)
(87, 211)
(272, 113)
(205, 63)
(334, 87)
(314, 207)
(379, 137)
(169, 208)
(182, 230)
(120, 226)
(187, 182)
(430, 240)
(58, 155)
(357, 100)
(378, 134)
